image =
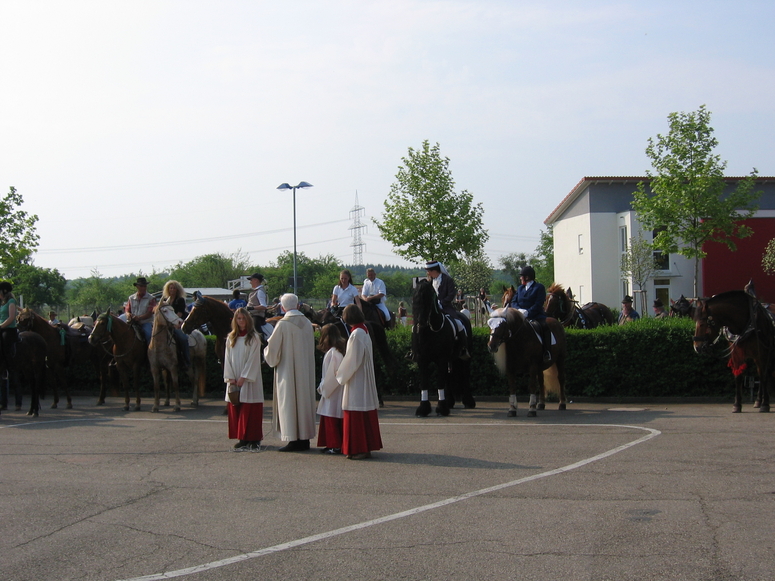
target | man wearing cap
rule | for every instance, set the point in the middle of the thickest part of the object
(529, 300)
(628, 313)
(447, 293)
(139, 308)
(659, 310)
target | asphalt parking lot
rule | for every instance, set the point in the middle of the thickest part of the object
(600, 491)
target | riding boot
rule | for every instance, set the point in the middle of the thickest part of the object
(547, 339)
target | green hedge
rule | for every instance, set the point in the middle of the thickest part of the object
(646, 358)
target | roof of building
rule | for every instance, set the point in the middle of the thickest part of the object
(579, 188)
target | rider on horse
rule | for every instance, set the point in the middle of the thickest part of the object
(374, 291)
(139, 308)
(447, 293)
(529, 300)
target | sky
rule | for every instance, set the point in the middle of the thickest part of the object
(147, 133)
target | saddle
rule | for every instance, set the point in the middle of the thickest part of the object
(538, 329)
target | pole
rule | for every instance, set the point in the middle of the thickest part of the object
(295, 291)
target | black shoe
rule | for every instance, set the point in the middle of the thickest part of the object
(295, 446)
(241, 445)
(253, 447)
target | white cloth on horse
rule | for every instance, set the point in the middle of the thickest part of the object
(267, 329)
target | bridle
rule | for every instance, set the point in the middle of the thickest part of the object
(434, 310)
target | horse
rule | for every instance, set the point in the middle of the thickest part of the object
(163, 356)
(56, 352)
(434, 341)
(216, 315)
(517, 348)
(29, 360)
(752, 337)
(681, 308)
(119, 339)
(560, 305)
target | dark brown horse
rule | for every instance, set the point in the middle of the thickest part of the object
(28, 359)
(742, 326)
(216, 315)
(119, 339)
(56, 350)
(681, 308)
(517, 348)
(560, 305)
(74, 341)
(436, 343)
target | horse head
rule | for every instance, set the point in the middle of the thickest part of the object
(680, 308)
(707, 330)
(25, 320)
(557, 303)
(425, 303)
(103, 327)
(167, 314)
(508, 295)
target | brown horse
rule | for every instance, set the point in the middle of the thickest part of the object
(518, 351)
(560, 305)
(117, 338)
(56, 351)
(29, 360)
(751, 335)
(163, 356)
(216, 315)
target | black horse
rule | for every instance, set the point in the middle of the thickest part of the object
(434, 342)
(27, 358)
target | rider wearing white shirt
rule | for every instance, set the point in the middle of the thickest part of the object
(345, 292)
(374, 291)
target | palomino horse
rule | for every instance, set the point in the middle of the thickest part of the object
(560, 305)
(434, 342)
(163, 356)
(69, 344)
(216, 315)
(28, 358)
(118, 339)
(56, 353)
(752, 337)
(517, 347)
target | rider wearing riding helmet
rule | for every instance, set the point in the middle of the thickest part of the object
(447, 293)
(529, 300)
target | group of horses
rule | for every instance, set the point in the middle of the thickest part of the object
(735, 320)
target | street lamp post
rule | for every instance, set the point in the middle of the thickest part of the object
(294, 188)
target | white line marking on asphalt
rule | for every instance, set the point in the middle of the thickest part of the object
(411, 512)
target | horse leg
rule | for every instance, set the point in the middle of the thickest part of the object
(444, 373)
(561, 383)
(156, 374)
(173, 373)
(424, 409)
(536, 385)
(136, 379)
(167, 385)
(765, 382)
(737, 407)
(462, 379)
(54, 381)
(512, 395)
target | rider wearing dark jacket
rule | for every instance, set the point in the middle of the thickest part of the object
(529, 300)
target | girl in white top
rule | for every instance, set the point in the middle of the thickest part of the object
(330, 407)
(345, 292)
(242, 372)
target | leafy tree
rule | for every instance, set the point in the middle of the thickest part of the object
(542, 259)
(211, 270)
(38, 286)
(639, 264)
(18, 239)
(472, 273)
(686, 199)
(513, 263)
(424, 219)
(97, 293)
(318, 276)
(768, 259)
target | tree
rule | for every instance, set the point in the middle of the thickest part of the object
(768, 259)
(639, 264)
(424, 219)
(513, 264)
(686, 200)
(212, 270)
(38, 286)
(97, 293)
(542, 259)
(472, 273)
(317, 276)
(18, 239)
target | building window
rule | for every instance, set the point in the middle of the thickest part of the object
(662, 290)
(623, 240)
(662, 259)
(581, 243)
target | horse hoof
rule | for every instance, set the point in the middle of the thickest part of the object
(176, 408)
(194, 404)
(423, 410)
(53, 406)
(137, 408)
(511, 414)
(381, 403)
(757, 405)
(155, 409)
(442, 409)
(764, 409)
(532, 414)
(562, 407)
(69, 406)
(469, 403)
(126, 408)
(101, 402)
(737, 409)
(541, 406)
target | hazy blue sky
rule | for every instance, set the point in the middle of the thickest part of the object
(148, 133)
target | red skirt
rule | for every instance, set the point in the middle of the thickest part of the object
(361, 432)
(330, 432)
(246, 421)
